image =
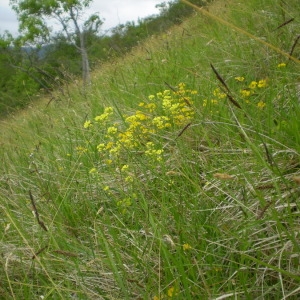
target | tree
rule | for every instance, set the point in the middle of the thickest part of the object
(34, 17)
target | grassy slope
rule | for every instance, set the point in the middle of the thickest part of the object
(213, 216)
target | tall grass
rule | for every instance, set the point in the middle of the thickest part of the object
(191, 193)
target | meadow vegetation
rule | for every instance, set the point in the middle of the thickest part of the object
(175, 175)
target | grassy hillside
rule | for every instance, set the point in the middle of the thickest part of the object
(174, 176)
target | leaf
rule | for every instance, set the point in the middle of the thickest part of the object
(223, 176)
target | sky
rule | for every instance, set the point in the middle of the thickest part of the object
(114, 12)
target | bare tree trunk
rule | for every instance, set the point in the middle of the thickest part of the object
(86, 77)
(82, 48)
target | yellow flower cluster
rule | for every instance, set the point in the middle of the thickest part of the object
(164, 111)
(218, 95)
(161, 122)
(141, 132)
(281, 65)
(153, 153)
(252, 88)
(177, 106)
(108, 111)
(239, 78)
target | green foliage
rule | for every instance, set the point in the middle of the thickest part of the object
(18, 80)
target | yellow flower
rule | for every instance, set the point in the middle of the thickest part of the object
(167, 103)
(151, 152)
(108, 110)
(161, 122)
(186, 247)
(245, 93)
(239, 78)
(129, 179)
(150, 145)
(126, 202)
(100, 147)
(174, 108)
(100, 118)
(262, 83)
(124, 168)
(87, 124)
(108, 145)
(166, 92)
(281, 65)
(218, 93)
(108, 161)
(180, 119)
(150, 107)
(103, 117)
(171, 292)
(181, 85)
(261, 104)
(140, 116)
(253, 85)
(115, 150)
(112, 130)
(93, 171)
